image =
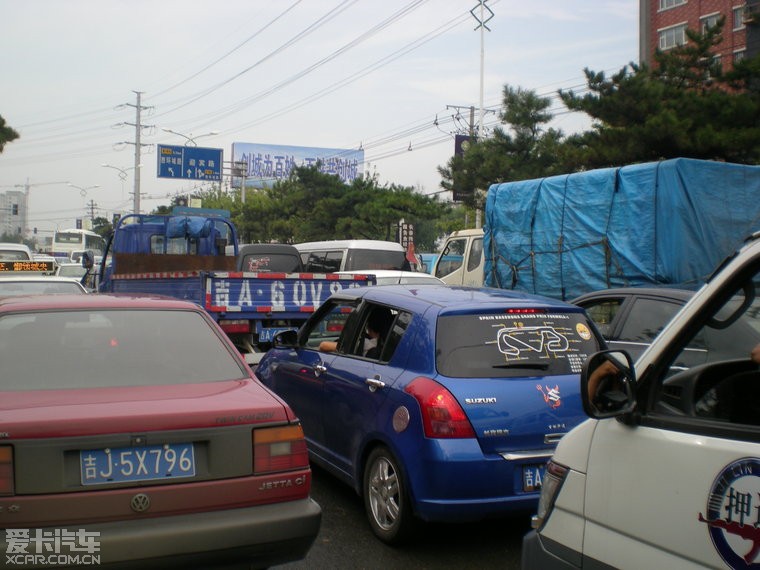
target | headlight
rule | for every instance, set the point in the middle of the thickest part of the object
(552, 483)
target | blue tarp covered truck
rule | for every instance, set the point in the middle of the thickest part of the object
(186, 256)
(657, 223)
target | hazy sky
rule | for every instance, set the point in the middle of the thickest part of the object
(394, 77)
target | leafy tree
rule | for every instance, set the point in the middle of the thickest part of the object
(683, 107)
(102, 226)
(524, 147)
(7, 134)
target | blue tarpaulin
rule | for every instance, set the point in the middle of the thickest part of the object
(658, 223)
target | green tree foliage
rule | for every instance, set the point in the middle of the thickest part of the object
(312, 205)
(7, 134)
(524, 147)
(682, 107)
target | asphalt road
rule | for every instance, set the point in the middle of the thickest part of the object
(346, 541)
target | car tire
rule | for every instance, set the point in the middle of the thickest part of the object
(386, 499)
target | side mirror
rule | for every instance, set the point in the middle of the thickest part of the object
(608, 384)
(88, 259)
(285, 339)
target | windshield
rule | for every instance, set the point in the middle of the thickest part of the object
(503, 346)
(105, 348)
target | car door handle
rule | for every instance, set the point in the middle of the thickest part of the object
(374, 383)
(319, 369)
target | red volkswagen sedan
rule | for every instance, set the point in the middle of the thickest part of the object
(133, 434)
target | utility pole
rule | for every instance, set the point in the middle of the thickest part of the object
(138, 147)
(92, 209)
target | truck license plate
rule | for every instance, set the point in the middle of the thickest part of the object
(168, 461)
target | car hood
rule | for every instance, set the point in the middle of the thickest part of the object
(524, 413)
(63, 413)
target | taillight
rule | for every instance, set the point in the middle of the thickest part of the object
(235, 325)
(6, 470)
(552, 483)
(442, 415)
(279, 449)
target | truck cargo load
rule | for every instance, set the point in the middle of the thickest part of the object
(657, 223)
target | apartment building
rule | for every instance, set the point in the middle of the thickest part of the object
(663, 25)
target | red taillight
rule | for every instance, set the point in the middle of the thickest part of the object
(6, 470)
(524, 311)
(235, 326)
(279, 449)
(442, 415)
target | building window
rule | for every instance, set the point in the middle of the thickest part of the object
(737, 17)
(739, 55)
(707, 22)
(667, 4)
(672, 37)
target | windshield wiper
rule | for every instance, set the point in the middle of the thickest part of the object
(524, 365)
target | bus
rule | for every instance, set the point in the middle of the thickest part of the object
(71, 243)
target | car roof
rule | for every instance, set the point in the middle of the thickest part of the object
(446, 297)
(24, 303)
(664, 292)
(350, 243)
(393, 274)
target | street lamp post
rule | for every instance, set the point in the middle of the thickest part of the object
(83, 189)
(122, 174)
(190, 138)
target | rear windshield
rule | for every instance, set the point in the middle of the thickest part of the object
(359, 259)
(105, 348)
(275, 262)
(505, 346)
(51, 287)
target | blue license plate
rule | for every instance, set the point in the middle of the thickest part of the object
(168, 461)
(533, 477)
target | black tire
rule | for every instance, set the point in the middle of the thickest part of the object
(386, 500)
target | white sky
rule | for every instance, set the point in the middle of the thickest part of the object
(256, 72)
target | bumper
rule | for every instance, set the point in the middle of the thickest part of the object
(258, 536)
(453, 481)
(535, 556)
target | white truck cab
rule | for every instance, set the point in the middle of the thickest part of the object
(666, 473)
(461, 260)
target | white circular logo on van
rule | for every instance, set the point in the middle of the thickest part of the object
(733, 513)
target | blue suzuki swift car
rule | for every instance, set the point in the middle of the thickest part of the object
(435, 403)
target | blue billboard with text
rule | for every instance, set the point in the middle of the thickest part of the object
(264, 164)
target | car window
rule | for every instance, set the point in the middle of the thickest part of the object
(328, 331)
(361, 259)
(727, 388)
(603, 314)
(503, 346)
(277, 262)
(381, 330)
(324, 261)
(451, 257)
(647, 318)
(476, 253)
(107, 348)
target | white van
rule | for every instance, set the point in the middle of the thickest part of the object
(461, 260)
(352, 255)
(15, 252)
(666, 473)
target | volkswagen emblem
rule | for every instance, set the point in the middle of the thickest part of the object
(140, 503)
